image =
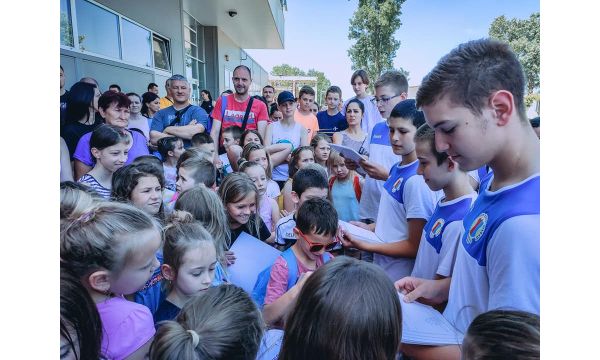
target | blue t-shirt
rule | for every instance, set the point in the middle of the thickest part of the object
(163, 118)
(166, 311)
(329, 124)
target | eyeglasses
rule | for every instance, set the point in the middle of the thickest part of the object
(316, 247)
(383, 99)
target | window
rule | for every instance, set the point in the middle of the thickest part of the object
(193, 35)
(66, 28)
(101, 31)
(136, 44)
(161, 53)
(98, 29)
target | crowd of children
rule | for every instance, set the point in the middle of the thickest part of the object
(447, 185)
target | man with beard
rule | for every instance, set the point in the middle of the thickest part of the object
(240, 109)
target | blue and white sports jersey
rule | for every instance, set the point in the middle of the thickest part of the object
(380, 152)
(405, 196)
(441, 235)
(498, 260)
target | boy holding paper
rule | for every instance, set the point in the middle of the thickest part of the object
(474, 100)
(316, 229)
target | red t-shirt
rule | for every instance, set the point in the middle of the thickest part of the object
(235, 111)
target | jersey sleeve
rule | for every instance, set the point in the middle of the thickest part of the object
(513, 265)
(216, 113)
(277, 285)
(450, 238)
(418, 199)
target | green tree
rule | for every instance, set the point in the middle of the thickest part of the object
(523, 36)
(322, 82)
(373, 26)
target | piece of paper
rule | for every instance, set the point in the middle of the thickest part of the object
(270, 345)
(360, 233)
(347, 152)
(424, 325)
(252, 257)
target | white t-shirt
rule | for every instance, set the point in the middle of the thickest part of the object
(272, 189)
(280, 134)
(429, 261)
(380, 152)
(284, 230)
(226, 164)
(510, 277)
(405, 196)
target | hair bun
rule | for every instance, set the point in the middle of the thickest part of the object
(181, 217)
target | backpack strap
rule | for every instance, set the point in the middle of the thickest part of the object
(247, 114)
(331, 181)
(179, 115)
(357, 189)
(223, 107)
(290, 259)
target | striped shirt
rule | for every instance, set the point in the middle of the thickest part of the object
(90, 181)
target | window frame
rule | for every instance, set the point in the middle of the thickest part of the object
(76, 46)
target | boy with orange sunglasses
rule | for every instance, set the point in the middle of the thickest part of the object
(316, 229)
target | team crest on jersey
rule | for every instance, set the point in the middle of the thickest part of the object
(436, 229)
(397, 185)
(477, 228)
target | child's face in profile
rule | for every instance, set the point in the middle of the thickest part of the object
(228, 140)
(402, 134)
(315, 240)
(137, 270)
(306, 102)
(185, 180)
(197, 270)
(178, 149)
(435, 176)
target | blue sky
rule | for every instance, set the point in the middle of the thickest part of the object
(316, 34)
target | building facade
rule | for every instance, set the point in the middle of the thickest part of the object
(135, 42)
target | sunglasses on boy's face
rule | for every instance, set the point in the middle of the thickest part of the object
(316, 247)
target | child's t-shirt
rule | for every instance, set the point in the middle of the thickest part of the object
(91, 181)
(344, 199)
(126, 327)
(328, 124)
(310, 123)
(381, 153)
(227, 169)
(291, 135)
(278, 281)
(498, 258)
(170, 177)
(440, 237)
(265, 210)
(166, 311)
(405, 196)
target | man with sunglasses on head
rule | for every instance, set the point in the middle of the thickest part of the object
(181, 119)
(316, 229)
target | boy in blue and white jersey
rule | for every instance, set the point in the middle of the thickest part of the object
(406, 202)
(474, 100)
(442, 233)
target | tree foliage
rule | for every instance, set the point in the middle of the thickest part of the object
(322, 82)
(523, 36)
(373, 26)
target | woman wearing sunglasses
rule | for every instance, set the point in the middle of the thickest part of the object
(316, 229)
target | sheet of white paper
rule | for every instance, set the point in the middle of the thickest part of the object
(360, 233)
(347, 152)
(252, 257)
(423, 325)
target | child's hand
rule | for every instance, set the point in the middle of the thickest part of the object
(374, 170)
(350, 164)
(430, 292)
(350, 241)
(230, 256)
(302, 279)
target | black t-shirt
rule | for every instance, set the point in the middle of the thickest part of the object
(73, 131)
(207, 106)
(248, 227)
